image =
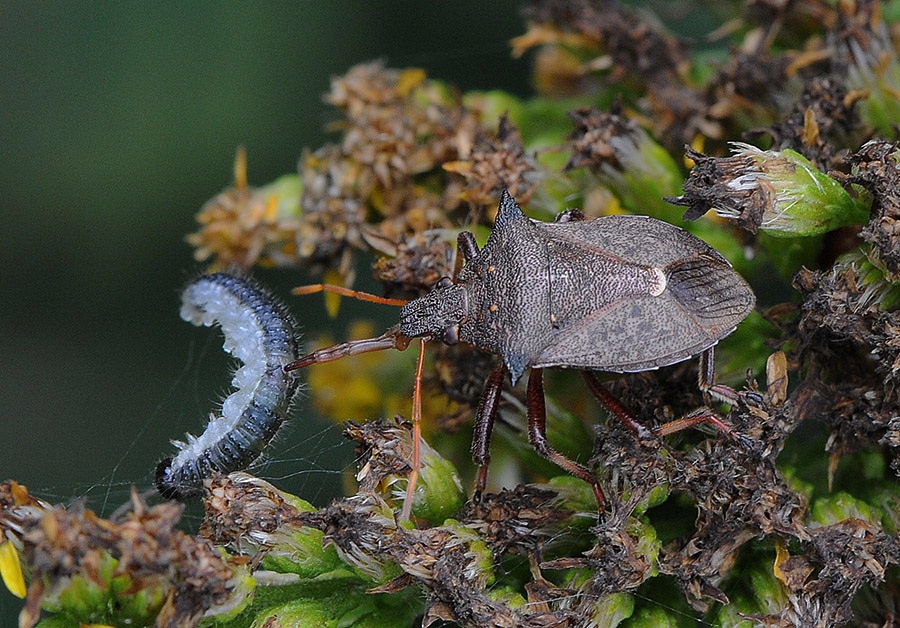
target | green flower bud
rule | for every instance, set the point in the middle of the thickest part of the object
(647, 542)
(439, 492)
(480, 565)
(386, 467)
(611, 610)
(872, 288)
(240, 511)
(873, 69)
(766, 595)
(840, 507)
(652, 617)
(887, 500)
(779, 192)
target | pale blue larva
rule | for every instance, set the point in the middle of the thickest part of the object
(264, 337)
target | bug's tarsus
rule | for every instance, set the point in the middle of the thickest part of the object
(537, 436)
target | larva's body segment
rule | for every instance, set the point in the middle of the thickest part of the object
(264, 337)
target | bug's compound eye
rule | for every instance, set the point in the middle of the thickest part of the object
(444, 282)
(451, 335)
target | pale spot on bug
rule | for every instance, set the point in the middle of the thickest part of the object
(658, 281)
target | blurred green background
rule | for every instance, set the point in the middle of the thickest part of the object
(117, 122)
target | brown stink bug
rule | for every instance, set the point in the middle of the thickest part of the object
(618, 293)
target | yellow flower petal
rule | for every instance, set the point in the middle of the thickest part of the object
(781, 555)
(11, 570)
(333, 301)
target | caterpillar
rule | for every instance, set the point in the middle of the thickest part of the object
(260, 333)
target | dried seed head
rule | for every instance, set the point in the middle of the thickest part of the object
(498, 161)
(876, 169)
(130, 571)
(780, 192)
(244, 226)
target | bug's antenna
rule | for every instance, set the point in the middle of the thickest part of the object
(347, 292)
(391, 339)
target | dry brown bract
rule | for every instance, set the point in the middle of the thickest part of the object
(879, 173)
(63, 543)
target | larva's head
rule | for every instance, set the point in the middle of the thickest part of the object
(439, 313)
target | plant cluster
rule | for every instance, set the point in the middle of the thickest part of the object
(778, 147)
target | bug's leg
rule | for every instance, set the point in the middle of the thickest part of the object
(346, 292)
(615, 407)
(707, 379)
(570, 215)
(417, 434)
(484, 423)
(702, 415)
(466, 246)
(537, 435)
(719, 392)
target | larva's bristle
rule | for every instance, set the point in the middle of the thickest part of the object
(263, 335)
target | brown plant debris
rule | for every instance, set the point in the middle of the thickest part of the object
(498, 161)
(842, 557)
(61, 544)
(442, 559)
(878, 172)
(618, 39)
(594, 142)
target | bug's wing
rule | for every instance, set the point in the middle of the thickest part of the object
(703, 302)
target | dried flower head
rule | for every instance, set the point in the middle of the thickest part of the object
(497, 162)
(138, 570)
(244, 226)
(780, 192)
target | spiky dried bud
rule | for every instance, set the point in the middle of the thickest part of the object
(134, 571)
(637, 169)
(497, 162)
(779, 192)
(877, 169)
(243, 226)
(250, 515)
(385, 453)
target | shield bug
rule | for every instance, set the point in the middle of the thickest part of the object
(619, 293)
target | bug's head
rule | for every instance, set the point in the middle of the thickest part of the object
(439, 313)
